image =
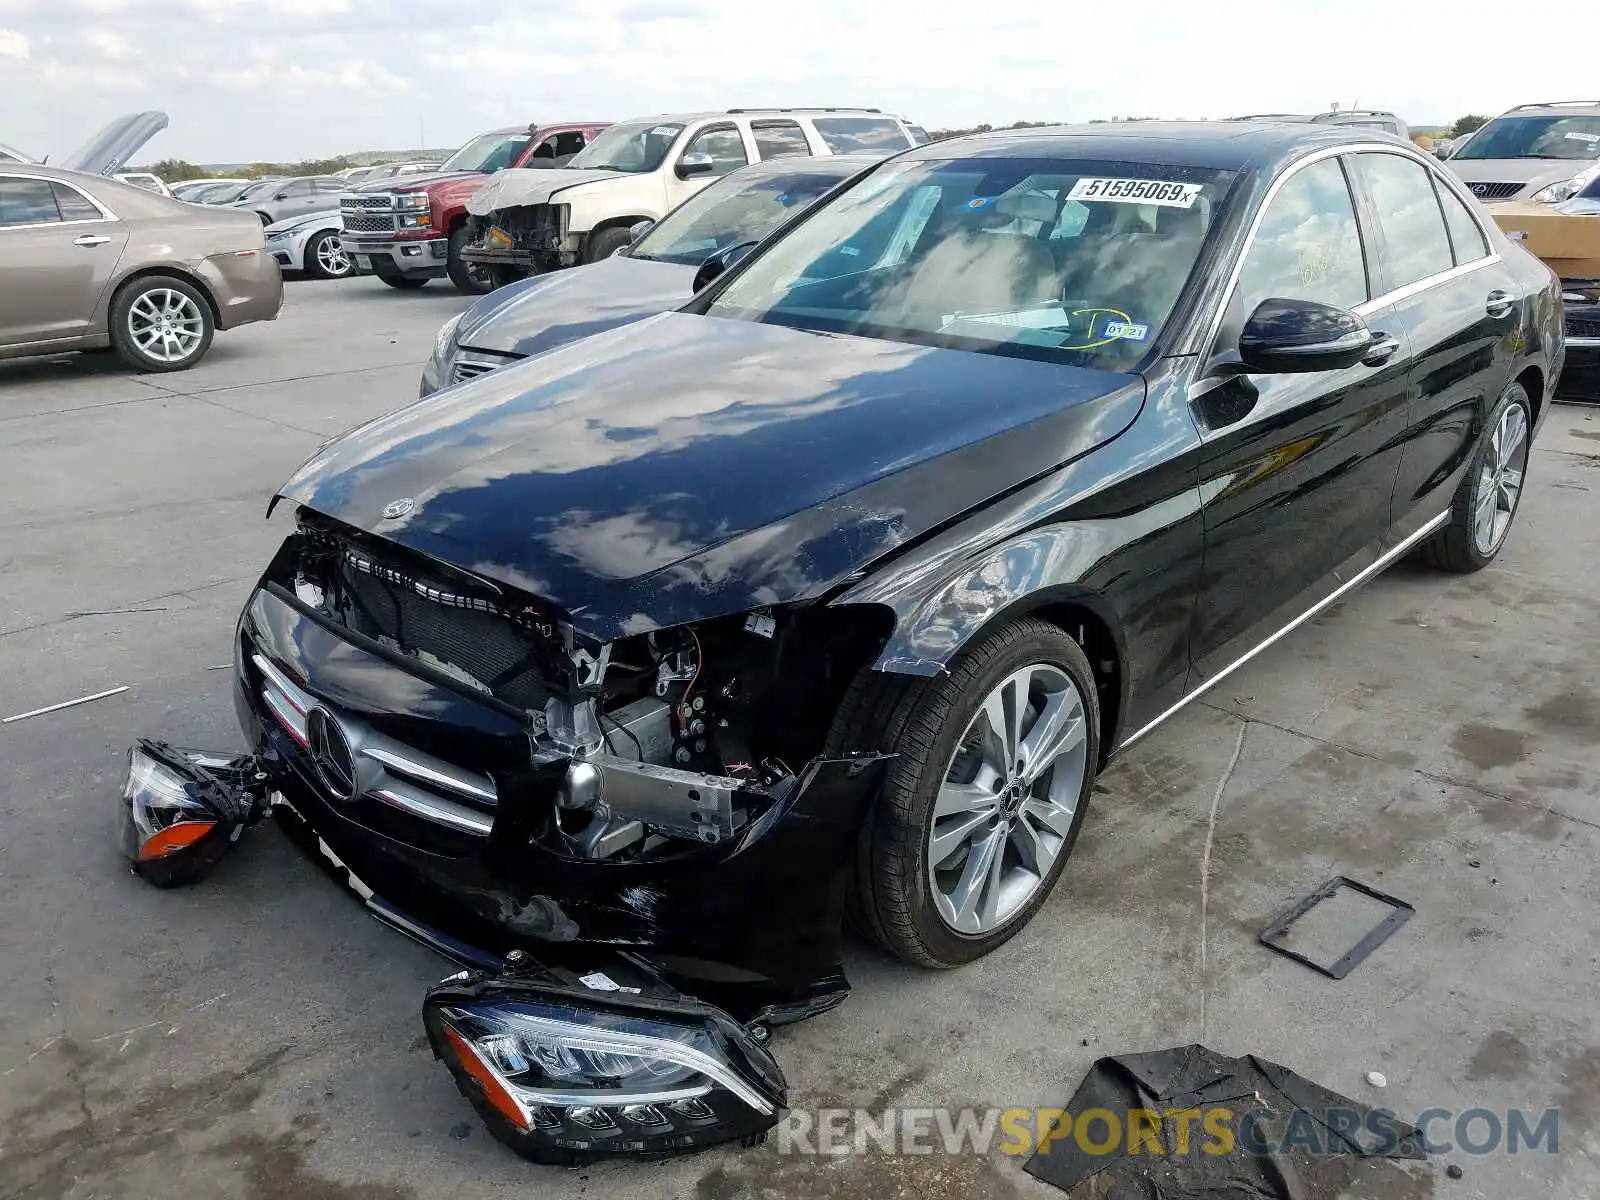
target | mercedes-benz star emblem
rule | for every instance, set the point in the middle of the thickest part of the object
(331, 756)
(396, 509)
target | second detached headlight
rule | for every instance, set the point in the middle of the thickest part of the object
(564, 1082)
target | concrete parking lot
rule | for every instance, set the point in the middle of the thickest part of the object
(259, 1036)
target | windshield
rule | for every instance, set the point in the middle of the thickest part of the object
(637, 147)
(490, 153)
(257, 190)
(730, 212)
(1535, 137)
(1044, 258)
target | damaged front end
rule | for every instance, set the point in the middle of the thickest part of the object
(551, 812)
(532, 237)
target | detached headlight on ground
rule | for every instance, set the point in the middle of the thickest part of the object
(560, 1077)
(180, 810)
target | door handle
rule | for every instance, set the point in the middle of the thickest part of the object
(1498, 304)
(1381, 351)
(91, 239)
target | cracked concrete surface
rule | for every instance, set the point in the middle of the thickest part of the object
(258, 1037)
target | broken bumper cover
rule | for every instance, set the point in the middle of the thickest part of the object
(563, 1073)
(751, 924)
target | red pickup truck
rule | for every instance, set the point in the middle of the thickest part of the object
(408, 231)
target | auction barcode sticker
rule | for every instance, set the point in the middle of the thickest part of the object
(1166, 192)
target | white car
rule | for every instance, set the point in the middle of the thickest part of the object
(1538, 152)
(310, 244)
(526, 220)
(145, 180)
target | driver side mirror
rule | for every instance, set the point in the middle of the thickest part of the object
(691, 166)
(717, 265)
(1297, 336)
(638, 229)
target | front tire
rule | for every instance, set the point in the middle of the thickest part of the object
(326, 257)
(161, 323)
(605, 243)
(981, 807)
(405, 283)
(1487, 500)
(469, 280)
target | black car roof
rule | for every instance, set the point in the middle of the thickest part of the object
(1217, 145)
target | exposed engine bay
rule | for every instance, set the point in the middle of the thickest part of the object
(671, 737)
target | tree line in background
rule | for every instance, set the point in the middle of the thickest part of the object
(173, 170)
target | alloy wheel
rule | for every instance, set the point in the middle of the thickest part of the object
(166, 325)
(1500, 480)
(1006, 807)
(333, 258)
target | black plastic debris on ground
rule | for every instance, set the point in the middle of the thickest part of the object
(1191, 1124)
(1278, 934)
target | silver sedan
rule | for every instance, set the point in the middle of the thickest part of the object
(310, 244)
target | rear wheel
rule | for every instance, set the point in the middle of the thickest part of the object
(1486, 502)
(405, 283)
(605, 243)
(469, 278)
(161, 323)
(982, 804)
(326, 257)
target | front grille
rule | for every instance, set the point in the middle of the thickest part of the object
(508, 653)
(469, 365)
(378, 200)
(402, 792)
(1495, 191)
(357, 223)
(1583, 327)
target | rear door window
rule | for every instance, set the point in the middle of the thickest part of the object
(74, 205)
(853, 135)
(1414, 234)
(779, 139)
(27, 202)
(1466, 239)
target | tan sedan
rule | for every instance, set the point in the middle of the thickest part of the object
(87, 263)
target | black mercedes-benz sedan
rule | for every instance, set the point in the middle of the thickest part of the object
(653, 273)
(639, 663)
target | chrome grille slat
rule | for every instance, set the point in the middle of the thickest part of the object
(470, 364)
(406, 779)
(1487, 190)
(360, 223)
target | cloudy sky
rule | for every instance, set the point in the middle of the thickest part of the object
(250, 80)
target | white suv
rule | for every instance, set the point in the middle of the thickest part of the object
(1541, 152)
(528, 220)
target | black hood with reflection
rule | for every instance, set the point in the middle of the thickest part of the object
(549, 310)
(684, 467)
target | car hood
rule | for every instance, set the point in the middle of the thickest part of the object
(517, 186)
(329, 219)
(543, 312)
(685, 467)
(413, 183)
(108, 150)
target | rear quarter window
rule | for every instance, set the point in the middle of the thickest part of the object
(853, 135)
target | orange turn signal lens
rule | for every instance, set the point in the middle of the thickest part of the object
(504, 1102)
(174, 838)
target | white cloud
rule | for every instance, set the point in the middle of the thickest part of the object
(109, 43)
(298, 78)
